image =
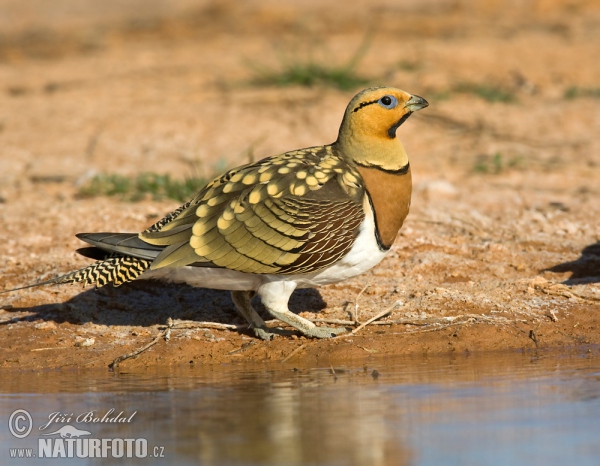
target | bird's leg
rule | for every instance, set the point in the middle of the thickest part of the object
(242, 301)
(275, 297)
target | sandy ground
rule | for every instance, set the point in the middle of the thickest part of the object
(501, 249)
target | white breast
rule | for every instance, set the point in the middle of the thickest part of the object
(364, 255)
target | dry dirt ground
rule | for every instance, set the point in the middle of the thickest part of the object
(501, 249)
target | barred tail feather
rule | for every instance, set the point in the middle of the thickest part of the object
(115, 269)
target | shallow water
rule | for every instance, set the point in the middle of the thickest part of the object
(493, 409)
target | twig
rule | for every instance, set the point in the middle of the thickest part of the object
(373, 319)
(45, 349)
(355, 314)
(368, 350)
(408, 322)
(293, 352)
(467, 319)
(215, 325)
(164, 334)
(133, 354)
(244, 347)
(425, 330)
(533, 336)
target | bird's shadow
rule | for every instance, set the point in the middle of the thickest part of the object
(585, 269)
(149, 302)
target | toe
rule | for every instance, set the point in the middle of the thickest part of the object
(326, 332)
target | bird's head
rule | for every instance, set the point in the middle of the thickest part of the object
(368, 131)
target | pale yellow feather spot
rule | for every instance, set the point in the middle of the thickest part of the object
(223, 224)
(236, 178)
(228, 187)
(350, 177)
(264, 177)
(255, 197)
(283, 171)
(227, 215)
(299, 190)
(272, 189)
(320, 175)
(301, 175)
(202, 211)
(249, 179)
(311, 181)
(239, 209)
(200, 227)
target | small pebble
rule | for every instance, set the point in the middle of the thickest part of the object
(81, 342)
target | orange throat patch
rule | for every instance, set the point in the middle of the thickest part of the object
(390, 197)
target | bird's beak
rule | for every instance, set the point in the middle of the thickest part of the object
(416, 103)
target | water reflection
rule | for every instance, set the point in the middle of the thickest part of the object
(493, 409)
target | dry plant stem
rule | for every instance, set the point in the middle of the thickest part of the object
(113, 365)
(46, 349)
(244, 347)
(214, 325)
(425, 330)
(164, 334)
(373, 319)
(333, 372)
(355, 314)
(293, 352)
(468, 319)
(565, 292)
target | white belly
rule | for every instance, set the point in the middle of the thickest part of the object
(364, 255)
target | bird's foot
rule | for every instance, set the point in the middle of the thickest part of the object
(323, 332)
(266, 333)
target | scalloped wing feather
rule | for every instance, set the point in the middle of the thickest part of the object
(292, 213)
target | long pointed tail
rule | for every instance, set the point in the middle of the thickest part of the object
(115, 269)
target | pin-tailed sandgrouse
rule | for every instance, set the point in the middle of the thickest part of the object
(300, 219)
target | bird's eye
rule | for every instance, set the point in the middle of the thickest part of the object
(388, 101)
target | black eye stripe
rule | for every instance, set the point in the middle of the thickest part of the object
(364, 104)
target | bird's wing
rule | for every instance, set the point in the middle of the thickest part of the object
(297, 212)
